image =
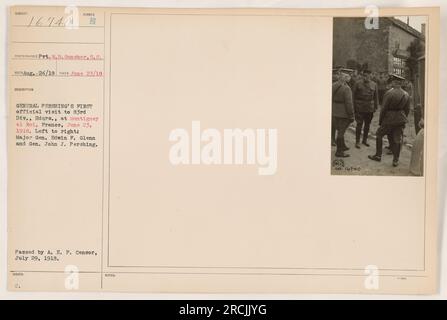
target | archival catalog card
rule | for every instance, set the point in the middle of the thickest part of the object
(223, 150)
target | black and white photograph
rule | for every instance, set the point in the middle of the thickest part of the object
(168, 150)
(378, 85)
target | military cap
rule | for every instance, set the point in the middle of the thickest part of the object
(346, 70)
(396, 77)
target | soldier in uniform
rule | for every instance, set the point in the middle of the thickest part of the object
(342, 112)
(393, 117)
(366, 102)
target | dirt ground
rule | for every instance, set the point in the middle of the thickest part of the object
(359, 164)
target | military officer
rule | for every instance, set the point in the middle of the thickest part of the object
(342, 112)
(366, 102)
(393, 117)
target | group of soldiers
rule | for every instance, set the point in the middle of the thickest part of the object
(357, 96)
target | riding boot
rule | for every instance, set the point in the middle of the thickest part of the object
(358, 131)
(365, 135)
(396, 151)
(340, 148)
(379, 144)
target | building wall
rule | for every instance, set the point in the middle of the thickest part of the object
(375, 47)
(352, 41)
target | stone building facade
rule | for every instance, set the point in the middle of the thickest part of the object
(380, 50)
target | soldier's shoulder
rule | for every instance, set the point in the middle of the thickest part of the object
(389, 92)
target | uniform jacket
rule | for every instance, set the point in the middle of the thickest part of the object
(366, 97)
(396, 107)
(342, 106)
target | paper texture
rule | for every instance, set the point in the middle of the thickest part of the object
(188, 150)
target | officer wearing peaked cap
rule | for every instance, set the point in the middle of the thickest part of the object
(342, 113)
(393, 117)
(366, 102)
